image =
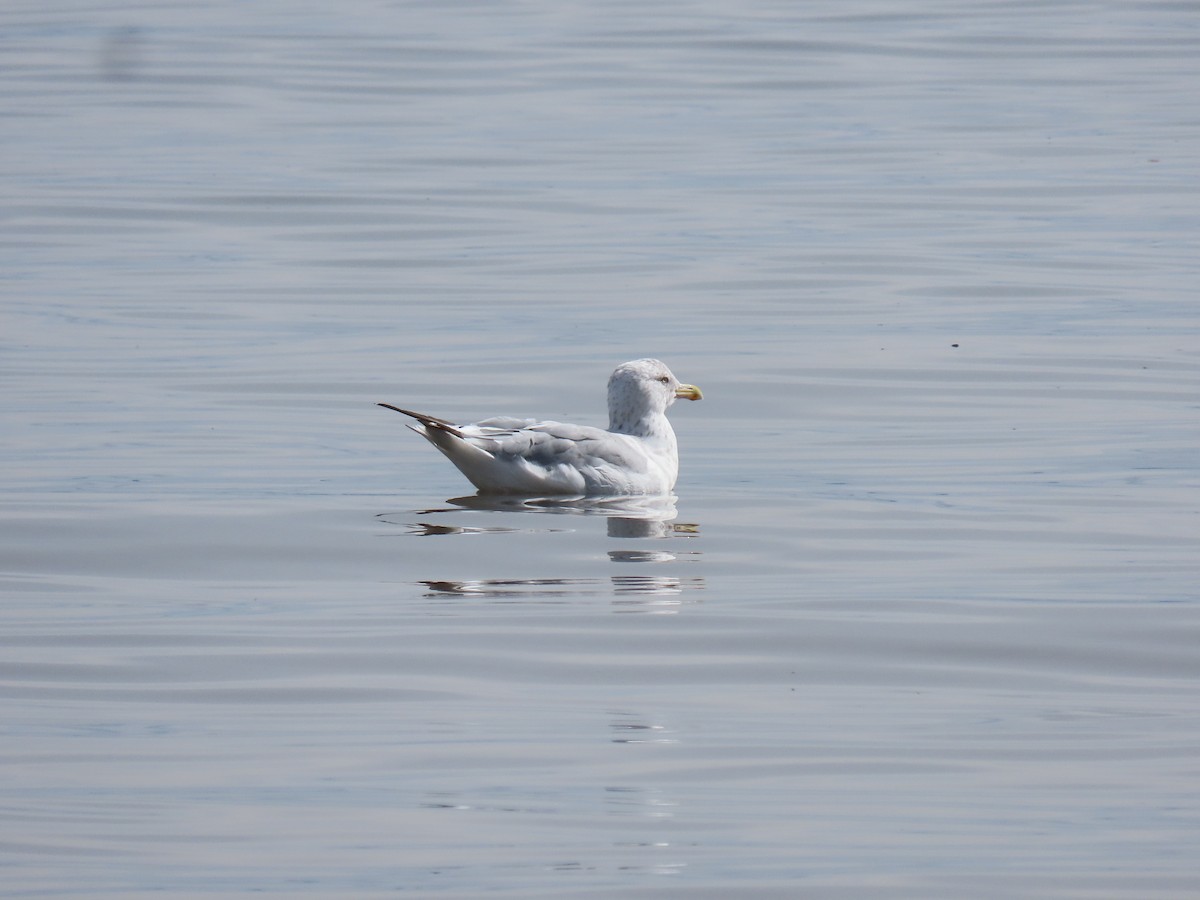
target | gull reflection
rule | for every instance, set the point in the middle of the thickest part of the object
(641, 556)
(627, 517)
(431, 529)
(501, 588)
(658, 594)
(655, 594)
(632, 728)
(642, 518)
(654, 584)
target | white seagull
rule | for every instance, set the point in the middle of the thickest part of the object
(637, 455)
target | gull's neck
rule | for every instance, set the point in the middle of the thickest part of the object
(650, 424)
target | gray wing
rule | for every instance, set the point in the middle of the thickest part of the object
(509, 455)
(553, 444)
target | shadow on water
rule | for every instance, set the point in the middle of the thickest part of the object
(625, 518)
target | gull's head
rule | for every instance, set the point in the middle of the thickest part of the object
(642, 389)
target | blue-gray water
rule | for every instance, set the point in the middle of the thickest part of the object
(924, 617)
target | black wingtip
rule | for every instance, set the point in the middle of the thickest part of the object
(407, 412)
(427, 420)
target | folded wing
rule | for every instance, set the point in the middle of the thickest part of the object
(510, 455)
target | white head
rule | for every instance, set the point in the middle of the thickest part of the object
(639, 393)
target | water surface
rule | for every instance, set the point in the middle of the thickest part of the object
(922, 617)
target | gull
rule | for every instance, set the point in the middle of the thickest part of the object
(638, 453)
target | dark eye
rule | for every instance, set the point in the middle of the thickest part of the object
(664, 379)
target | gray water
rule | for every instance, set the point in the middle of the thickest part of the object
(921, 621)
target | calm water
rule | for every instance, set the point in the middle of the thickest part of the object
(924, 618)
